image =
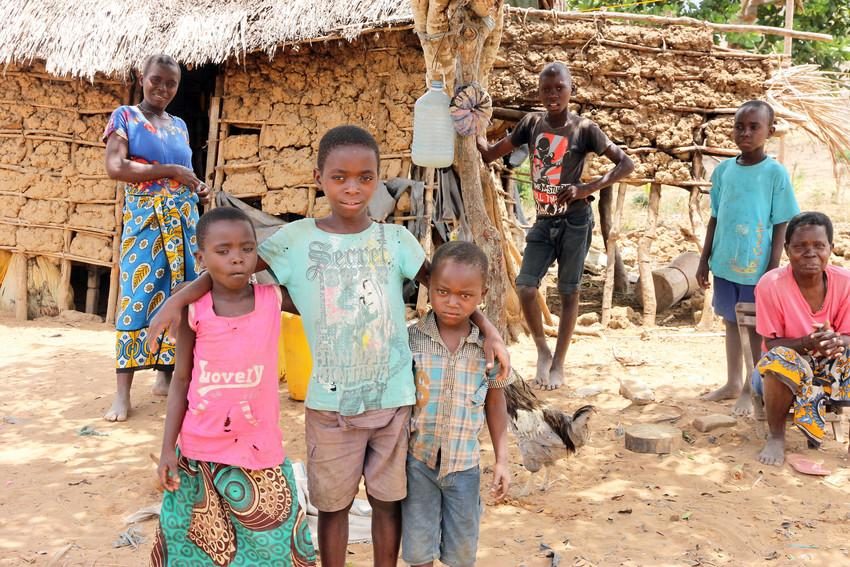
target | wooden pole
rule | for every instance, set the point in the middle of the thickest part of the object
(92, 289)
(212, 141)
(63, 294)
(645, 256)
(682, 21)
(425, 239)
(20, 263)
(787, 47)
(613, 237)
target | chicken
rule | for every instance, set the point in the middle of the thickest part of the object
(544, 434)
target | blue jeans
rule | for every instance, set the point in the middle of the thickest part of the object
(440, 518)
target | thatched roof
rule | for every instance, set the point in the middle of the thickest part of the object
(84, 37)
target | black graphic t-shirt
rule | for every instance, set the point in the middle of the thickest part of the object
(557, 155)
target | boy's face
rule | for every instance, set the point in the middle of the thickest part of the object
(349, 179)
(456, 290)
(809, 250)
(554, 90)
(229, 253)
(752, 128)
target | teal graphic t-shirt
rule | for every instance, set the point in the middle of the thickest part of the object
(348, 289)
(747, 201)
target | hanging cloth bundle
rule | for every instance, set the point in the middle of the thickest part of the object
(471, 109)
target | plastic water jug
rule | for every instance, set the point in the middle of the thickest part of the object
(433, 130)
(294, 362)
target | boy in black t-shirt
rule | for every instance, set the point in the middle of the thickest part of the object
(559, 142)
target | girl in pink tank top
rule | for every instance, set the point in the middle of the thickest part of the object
(230, 496)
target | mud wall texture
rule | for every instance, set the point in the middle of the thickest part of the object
(661, 93)
(55, 197)
(274, 113)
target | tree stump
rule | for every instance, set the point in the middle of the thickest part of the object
(654, 438)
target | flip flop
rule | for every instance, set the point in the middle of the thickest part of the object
(806, 466)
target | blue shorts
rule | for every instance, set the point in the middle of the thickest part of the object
(440, 517)
(727, 294)
(757, 382)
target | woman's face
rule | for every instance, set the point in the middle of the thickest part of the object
(809, 250)
(159, 84)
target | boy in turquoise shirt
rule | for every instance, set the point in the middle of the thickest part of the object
(752, 201)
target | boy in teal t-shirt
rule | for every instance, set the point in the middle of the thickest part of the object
(752, 201)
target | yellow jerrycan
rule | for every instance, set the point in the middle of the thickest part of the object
(295, 364)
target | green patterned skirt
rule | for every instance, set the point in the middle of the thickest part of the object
(229, 516)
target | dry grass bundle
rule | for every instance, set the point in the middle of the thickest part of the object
(817, 101)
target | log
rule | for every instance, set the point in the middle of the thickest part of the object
(680, 21)
(653, 438)
(212, 141)
(425, 239)
(645, 256)
(698, 232)
(675, 281)
(20, 263)
(613, 237)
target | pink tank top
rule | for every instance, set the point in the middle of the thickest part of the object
(234, 408)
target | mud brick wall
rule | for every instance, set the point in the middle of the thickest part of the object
(274, 113)
(655, 91)
(55, 198)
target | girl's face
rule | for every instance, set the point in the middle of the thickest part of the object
(159, 84)
(349, 179)
(229, 253)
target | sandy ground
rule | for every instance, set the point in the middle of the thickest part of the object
(708, 503)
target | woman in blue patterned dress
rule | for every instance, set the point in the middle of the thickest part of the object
(148, 149)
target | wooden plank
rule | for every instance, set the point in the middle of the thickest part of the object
(21, 264)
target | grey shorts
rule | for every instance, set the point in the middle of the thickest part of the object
(566, 239)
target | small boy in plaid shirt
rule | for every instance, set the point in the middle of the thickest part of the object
(442, 511)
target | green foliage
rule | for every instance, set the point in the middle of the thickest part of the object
(823, 16)
(523, 182)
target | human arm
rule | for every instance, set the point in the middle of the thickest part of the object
(177, 404)
(496, 410)
(491, 152)
(777, 245)
(170, 315)
(702, 268)
(121, 168)
(822, 341)
(623, 167)
(494, 345)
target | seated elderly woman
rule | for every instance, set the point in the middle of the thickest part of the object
(803, 314)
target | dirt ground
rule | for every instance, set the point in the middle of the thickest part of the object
(709, 502)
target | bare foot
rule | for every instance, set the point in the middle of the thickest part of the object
(556, 380)
(773, 452)
(163, 382)
(544, 363)
(119, 410)
(727, 392)
(744, 405)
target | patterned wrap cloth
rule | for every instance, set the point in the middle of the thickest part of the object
(471, 109)
(815, 381)
(158, 241)
(229, 516)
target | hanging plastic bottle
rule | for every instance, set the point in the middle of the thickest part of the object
(433, 129)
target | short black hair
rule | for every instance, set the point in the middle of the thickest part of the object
(346, 135)
(159, 59)
(759, 105)
(808, 218)
(557, 68)
(219, 214)
(463, 253)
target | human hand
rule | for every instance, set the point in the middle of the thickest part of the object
(203, 191)
(568, 194)
(168, 470)
(496, 350)
(702, 274)
(825, 341)
(481, 143)
(167, 319)
(185, 176)
(501, 481)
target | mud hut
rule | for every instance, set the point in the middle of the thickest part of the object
(262, 80)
